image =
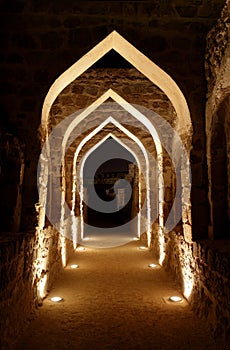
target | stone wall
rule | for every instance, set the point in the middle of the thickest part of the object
(12, 166)
(217, 123)
(202, 270)
(216, 56)
(202, 267)
(25, 259)
(18, 295)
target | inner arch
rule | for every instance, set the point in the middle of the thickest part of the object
(142, 165)
(113, 235)
(104, 180)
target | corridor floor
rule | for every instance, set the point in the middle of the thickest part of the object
(114, 301)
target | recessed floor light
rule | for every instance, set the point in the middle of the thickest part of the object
(175, 299)
(143, 248)
(74, 266)
(56, 299)
(80, 249)
(152, 266)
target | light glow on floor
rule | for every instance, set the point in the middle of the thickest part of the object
(153, 266)
(80, 249)
(56, 299)
(175, 298)
(143, 248)
(74, 266)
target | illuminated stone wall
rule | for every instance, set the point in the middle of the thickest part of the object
(202, 271)
(25, 260)
(17, 295)
(202, 267)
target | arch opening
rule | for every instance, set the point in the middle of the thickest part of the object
(134, 146)
(104, 180)
(141, 118)
(116, 42)
(158, 77)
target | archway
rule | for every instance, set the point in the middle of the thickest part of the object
(109, 207)
(104, 180)
(116, 42)
(143, 165)
(155, 74)
(182, 131)
(183, 125)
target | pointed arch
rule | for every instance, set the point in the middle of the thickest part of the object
(122, 143)
(144, 121)
(124, 104)
(141, 146)
(154, 73)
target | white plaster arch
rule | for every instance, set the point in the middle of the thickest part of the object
(124, 104)
(141, 63)
(154, 73)
(144, 121)
(86, 155)
(136, 140)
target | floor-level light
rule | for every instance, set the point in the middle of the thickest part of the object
(143, 248)
(74, 266)
(175, 299)
(80, 249)
(56, 299)
(135, 238)
(152, 266)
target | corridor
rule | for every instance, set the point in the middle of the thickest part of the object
(114, 300)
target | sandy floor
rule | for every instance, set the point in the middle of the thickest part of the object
(114, 301)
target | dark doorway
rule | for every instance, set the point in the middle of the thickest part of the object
(110, 180)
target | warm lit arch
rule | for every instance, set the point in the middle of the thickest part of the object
(132, 137)
(122, 143)
(154, 73)
(144, 121)
(124, 104)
